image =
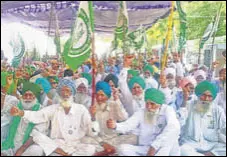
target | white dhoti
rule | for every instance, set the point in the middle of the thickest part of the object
(33, 150)
(132, 150)
(114, 140)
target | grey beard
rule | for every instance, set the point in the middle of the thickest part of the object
(28, 106)
(203, 106)
(150, 117)
(80, 98)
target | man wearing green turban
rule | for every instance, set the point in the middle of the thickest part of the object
(20, 131)
(205, 128)
(158, 126)
(136, 85)
(148, 76)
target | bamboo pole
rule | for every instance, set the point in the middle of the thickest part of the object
(170, 22)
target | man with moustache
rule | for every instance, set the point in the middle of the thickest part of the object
(69, 123)
(82, 93)
(158, 128)
(21, 130)
(205, 129)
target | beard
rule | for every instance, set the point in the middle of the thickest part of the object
(150, 118)
(66, 103)
(80, 98)
(203, 106)
(140, 97)
(28, 105)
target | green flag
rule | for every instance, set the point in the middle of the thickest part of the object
(137, 38)
(211, 29)
(121, 27)
(17, 43)
(78, 48)
(183, 26)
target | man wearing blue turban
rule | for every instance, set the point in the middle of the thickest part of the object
(103, 110)
(205, 128)
(46, 87)
(70, 122)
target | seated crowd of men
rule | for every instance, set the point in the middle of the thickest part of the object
(48, 109)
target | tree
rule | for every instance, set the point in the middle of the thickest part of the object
(199, 15)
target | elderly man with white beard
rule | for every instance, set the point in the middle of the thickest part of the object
(158, 126)
(205, 129)
(103, 110)
(81, 96)
(136, 85)
(19, 141)
(69, 123)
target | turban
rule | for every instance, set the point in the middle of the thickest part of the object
(44, 83)
(87, 76)
(137, 80)
(200, 73)
(68, 83)
(155, 95)
(133, 72)
(149, 68)
(192, 80)
(79, 81)
(34, 88)
(113, 78)
(171, 71)
(105, 87)
(187, 80)
(206, 86)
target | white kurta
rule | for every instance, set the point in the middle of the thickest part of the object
(112, 110)
(33, 150)
(162, 135)
(221, 100)
(126, 95)
(205, 132)
(66, 130)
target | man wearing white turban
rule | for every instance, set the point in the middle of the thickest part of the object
(81, 96)
(200, 76)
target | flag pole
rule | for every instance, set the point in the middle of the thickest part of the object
(170, 22)
(215, 31)
(93, 56)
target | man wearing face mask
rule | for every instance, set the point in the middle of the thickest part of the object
(21, 131)
(81, 96)
(158, 125)
(69, 123)
(205, 129)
